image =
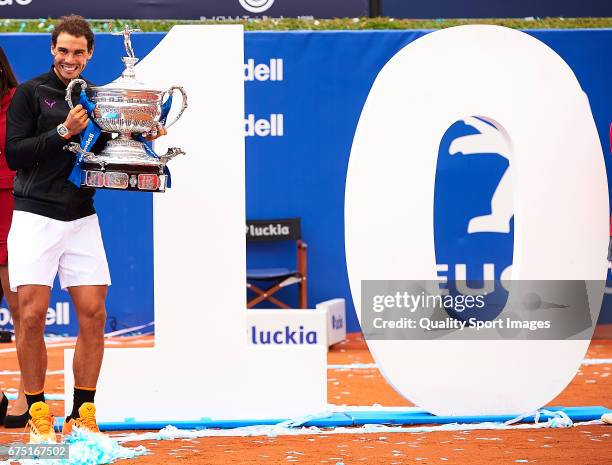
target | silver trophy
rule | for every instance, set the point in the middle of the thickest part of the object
(132, 110)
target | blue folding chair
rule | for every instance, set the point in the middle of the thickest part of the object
(264, 283)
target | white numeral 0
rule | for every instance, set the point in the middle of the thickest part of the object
(560, 199)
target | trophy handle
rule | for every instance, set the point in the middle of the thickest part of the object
(169, 92)
(72, 83)
(170, 154)
(76, 148)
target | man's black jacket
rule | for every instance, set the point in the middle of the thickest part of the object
(35, 150)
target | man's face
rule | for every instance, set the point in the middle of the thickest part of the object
(70, 56)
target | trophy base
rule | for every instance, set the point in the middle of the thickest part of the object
(126, 151)
(124, 177)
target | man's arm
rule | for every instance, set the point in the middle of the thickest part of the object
(101, 142)
(23, 148)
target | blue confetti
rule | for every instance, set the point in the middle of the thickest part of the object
(87, 448)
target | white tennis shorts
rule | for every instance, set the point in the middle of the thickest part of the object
(39, 247)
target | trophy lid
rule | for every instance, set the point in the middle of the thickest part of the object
(127, 80)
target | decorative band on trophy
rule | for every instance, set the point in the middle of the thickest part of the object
(119, 180)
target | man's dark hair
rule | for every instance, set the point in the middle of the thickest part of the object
(76, 26)
(7, 77)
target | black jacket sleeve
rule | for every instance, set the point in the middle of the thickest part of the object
(101, 142)
(23, 147)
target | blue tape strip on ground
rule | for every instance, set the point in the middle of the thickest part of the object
(336, 419)
(201, 424)
(355, 418)
(583, 413)
(423, 418)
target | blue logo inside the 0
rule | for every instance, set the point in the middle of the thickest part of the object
(474, 215)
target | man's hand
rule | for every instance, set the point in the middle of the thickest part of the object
(155, 133)
(76, 121)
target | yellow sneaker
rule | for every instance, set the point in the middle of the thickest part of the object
(41, 424)
(86, 420)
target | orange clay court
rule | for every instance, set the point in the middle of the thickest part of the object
(581, 444)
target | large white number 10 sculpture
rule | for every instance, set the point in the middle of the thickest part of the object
(201, 365)
(561, 215)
